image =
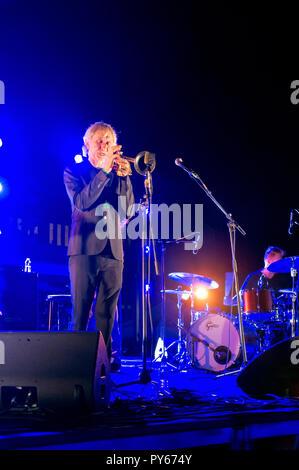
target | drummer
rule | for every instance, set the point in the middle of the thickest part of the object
(264, 279)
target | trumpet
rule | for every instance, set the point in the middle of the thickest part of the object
(144, 163)
(130, 159)
(122, 166)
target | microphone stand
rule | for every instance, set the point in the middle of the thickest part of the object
(291, 221)
(232, 226)
(145, 376)
(145, 168)
(293, 273)
(162, 357)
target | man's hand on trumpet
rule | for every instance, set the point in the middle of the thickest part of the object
(121, 166)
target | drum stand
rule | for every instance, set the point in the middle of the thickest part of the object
(232, 226)
(181, 356)
(162, 357)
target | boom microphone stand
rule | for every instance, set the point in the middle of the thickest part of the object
(232, 226)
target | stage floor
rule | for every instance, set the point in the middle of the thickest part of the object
(182, 410)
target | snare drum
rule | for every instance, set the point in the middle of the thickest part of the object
(213, 342)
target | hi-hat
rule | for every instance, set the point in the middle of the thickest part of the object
(176, 291)
(194, 280)
(284, 265)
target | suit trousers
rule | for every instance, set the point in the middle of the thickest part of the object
(100, 276)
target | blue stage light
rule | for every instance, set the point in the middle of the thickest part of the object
(3, 188)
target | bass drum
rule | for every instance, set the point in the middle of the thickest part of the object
(213, 342)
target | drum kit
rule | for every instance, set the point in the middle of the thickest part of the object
(212, 341)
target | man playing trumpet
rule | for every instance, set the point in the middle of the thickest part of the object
(96, 263)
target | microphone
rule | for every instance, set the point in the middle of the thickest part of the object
(291, 222)
(178, 161)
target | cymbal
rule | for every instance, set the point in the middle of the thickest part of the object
(194, 280)
(284, 265)
(288, 291)
(176, 291)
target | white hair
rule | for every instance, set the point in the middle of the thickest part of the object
(91, 130)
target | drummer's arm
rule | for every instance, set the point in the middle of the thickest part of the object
(244, 285)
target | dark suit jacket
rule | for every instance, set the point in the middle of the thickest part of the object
(93, 194)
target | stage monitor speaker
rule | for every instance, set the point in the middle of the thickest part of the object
(59, 371)
(274, 372)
